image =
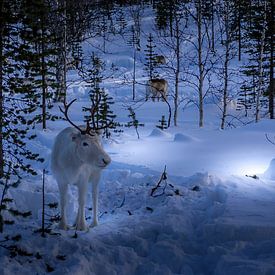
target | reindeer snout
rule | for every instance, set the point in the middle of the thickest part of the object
(106, 160)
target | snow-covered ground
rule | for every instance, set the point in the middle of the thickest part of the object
(210, 217)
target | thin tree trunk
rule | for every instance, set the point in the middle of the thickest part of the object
(271, 68)
(226, 61)
(212, 27)
(200, 64)
(169, 111)
(134, 76)
(64, 83)
(61, 67)
(1, 93)
(259, 93)
(239, 32)
(44, 82)
(176, 95)
(4, 192)
(43, 204)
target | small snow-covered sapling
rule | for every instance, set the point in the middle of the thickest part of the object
(163, 123)
(134, 122)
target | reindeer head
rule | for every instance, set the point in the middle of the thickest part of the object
(87, 139)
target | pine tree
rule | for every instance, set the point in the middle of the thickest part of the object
(228, 28)
(150, 65)
(134, 41)
(77, 55)
(134, 122)
(163, 123)
(100, 112)
(162, 16)
(15, 106)
(70, 21)
(106, 117)
(40, 67)
(165, 14)
(259, 49)
(270, 37)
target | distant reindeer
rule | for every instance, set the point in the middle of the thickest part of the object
(78, 158)
(160, 59)
(156, 88)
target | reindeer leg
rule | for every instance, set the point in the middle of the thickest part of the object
(82, 194)
(95, 199)
(63, 191)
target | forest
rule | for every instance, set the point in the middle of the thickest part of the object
(183, 95)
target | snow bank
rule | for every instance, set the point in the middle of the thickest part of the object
(159, 133)
(179, 137)
(270, 172)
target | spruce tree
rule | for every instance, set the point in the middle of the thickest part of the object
(165, 14)
(16, 86)
(257, 69)
(150, 65)
(134, 121)
(134, 41)
(163, 123)
(99, 112)
(40, 39)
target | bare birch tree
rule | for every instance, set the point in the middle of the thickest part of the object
(200, 57)
(227, 32)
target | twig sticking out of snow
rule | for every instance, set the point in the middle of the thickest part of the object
(163, 178)
(121, 204)
(255, 177)
(116, 207)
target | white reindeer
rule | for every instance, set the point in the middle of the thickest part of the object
(78, 158)
(157, 88)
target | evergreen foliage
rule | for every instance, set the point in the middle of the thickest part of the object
(16, 89)
(258, 46)
(165, 14)
(163, 123)
(134, 122)
(100, 112)
(37, 35)
(150, 65)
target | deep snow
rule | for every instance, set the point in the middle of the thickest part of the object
(225, 226)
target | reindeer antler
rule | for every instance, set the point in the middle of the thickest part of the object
(92, 110)
(65, 112)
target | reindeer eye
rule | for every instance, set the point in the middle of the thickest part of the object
(85, 144)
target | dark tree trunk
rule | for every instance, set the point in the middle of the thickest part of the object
(271, 68)
(44, 81)
(201, 69)
(225, 87)
(1, 92)
(212, 27)
(239, 32)
(176, 96)
(134, 75)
